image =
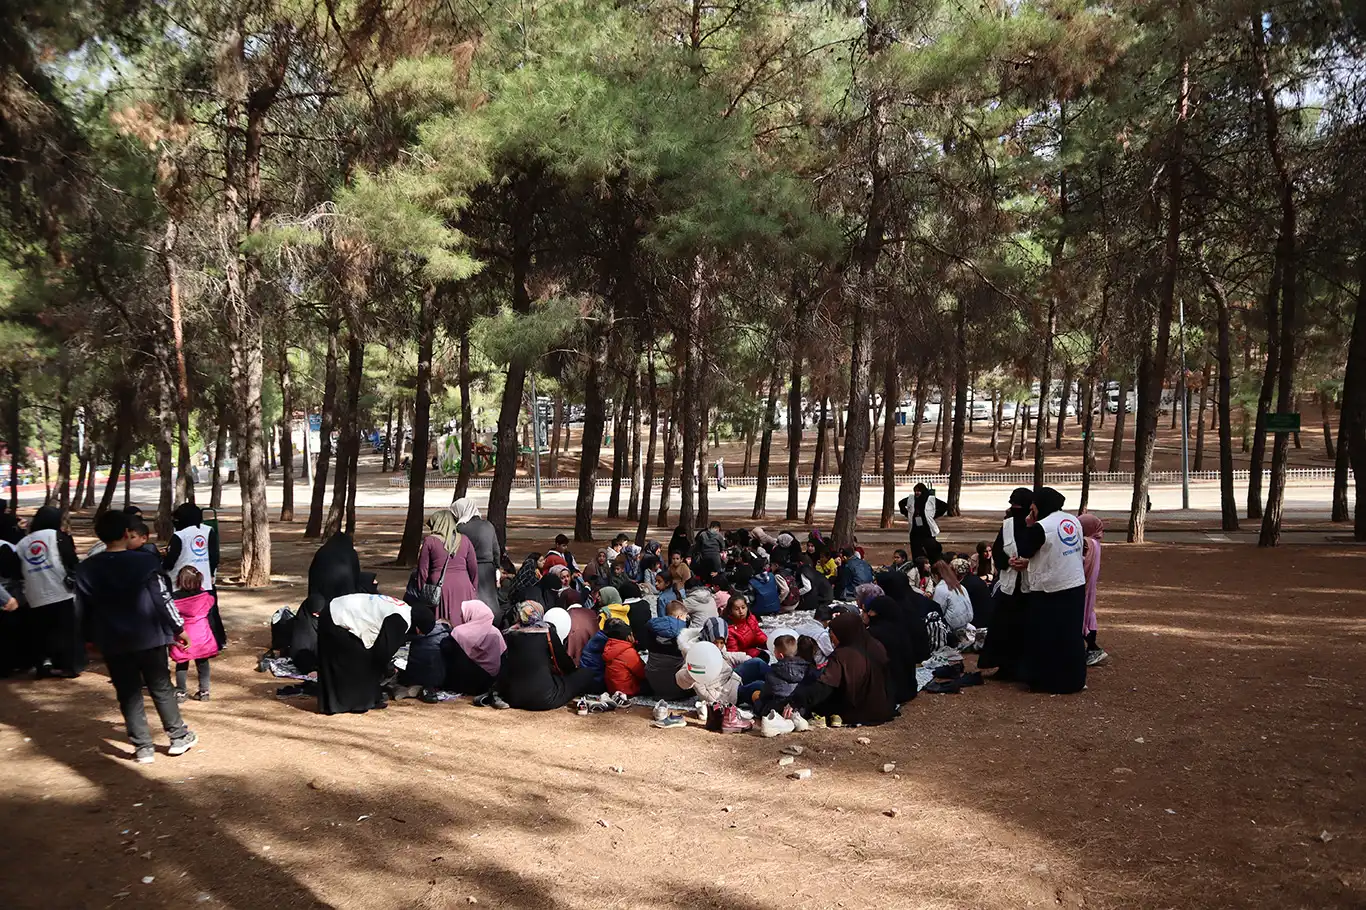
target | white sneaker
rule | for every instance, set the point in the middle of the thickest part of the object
(799, 724)
(775, 725)
(620, 699)
(1096, 657)
(661, 711)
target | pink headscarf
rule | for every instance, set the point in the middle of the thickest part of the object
(477, 637)
(1094, 529)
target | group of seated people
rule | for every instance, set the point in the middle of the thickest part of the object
(679, 624)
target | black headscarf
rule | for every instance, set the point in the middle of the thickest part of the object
(48, 518)
(187, 515)
(526, 575)
(909, 610)
(1020, 500)
(1048, 501)
(334, 572)
(679, 543)
(891, 625)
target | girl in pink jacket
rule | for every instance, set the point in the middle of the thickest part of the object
(194, 605)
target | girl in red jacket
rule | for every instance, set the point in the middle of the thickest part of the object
(745, 634)
(624, 670)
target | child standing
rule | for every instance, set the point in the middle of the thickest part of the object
(193, 604)
(134, 618)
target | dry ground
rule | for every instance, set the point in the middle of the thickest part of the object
(1200, 769)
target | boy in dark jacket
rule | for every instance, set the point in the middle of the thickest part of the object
(782, 678)
(134, 618)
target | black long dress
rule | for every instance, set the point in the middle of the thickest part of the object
(890, 623)
(537, 673)
(487, 552)
(1007, 633)
(349, 674)
(334, 572)
(463, 675)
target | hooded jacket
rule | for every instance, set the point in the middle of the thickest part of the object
(783, 677)
(746, 636)
(701, 605)
(591, 658)
(625, 671)
(128, 602)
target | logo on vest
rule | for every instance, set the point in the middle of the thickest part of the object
(199, 545)
(1069, 533)
(36, 554)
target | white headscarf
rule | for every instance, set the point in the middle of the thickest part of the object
(363, 614)
(464, 510)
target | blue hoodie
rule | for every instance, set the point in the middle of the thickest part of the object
(591, 657)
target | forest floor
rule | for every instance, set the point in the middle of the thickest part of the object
(1215, 761)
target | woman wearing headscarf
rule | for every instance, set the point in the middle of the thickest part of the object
(526, 585)
(921, 512)
(679, 543)
(905, 640)
(1052, 552)
(853, 686)
(447, 558)
(1094, 529)
(334, 572)
(474, 651)
(1004, 647)
(639, 611)
(358, 635)
(537, 673)
(611, 606)
(488, 552)
(44, 559)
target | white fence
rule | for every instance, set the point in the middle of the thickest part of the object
(902, 481)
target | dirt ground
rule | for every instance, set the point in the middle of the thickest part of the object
(1215, 761)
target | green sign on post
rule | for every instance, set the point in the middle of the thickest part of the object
(1282, 423)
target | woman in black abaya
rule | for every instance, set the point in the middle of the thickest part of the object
(1005, 644)
(358, 635)
(1055, 659)
(334, 572)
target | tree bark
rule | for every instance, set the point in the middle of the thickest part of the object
(816, 461)
(946, 409)
(468, 457)
(1045, 383)
(220, 449)
(1352, 420)
(1325, 409)
(794, 431)
(594, 421)
(670, 454)
(555, 434)
(14, 438)
(704, 465)
(84, 462)
(643, 527)
(329, 415)
(917, 415)
(766, 446)
(637, 478)
(620, 452)
(1257, 460)
(998, 406)
(1200, 418)
(287, 430)
(397, 464)
(1069, 375)
(960, 407)
(388, 448)
(422, 429)
(348, 445)
(692, 399)
(166, 432)
(891, 396)
(184, 489)
(1088, 435)
(89, 499)
(66, 413)
(1117, 443)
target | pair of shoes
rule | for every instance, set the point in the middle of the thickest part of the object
(201, 695)
(669, 721)
(181, 696)
(1098, 656)
(834, 721)
(600, 703)
(732, 722)
(581, 708)
(145, 755)
(775, 725)
(817, 722)
(620, 699)
(799, 723)
(949, 671)
(661, 710)
(182, 744)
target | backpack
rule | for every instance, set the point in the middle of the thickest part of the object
(766, 600)
(937, 629)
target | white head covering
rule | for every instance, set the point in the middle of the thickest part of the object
(464, 510)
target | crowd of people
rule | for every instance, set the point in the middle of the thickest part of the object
(683, 623)
(698, 623)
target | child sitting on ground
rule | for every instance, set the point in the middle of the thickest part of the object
(664, 630)
(193, 604)
(809, 651)
(781, 679)
(625, 671)
(744, 633)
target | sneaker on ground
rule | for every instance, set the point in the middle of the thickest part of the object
(201, 695)
(145, 755)
(661, 711)
(799, 723)
(732, 722)
(817, 722)
(669, 721)
(181, 696)
(183, 744)
(497, 702)
(582, 707)
(1097, 656)
(620, 699)
(834, 720)
(775, 725)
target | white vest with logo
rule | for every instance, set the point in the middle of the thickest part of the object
(1006, 580)
(194, 551)
(1058, 566)
(44, 574)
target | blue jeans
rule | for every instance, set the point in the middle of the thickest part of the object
(752, 673)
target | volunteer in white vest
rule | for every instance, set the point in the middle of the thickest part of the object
(195, 544)
(45, 559)
(1052, 553)
(1005, 644)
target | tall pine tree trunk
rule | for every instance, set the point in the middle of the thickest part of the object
(816, 461)
(794, 431)
(166, 432)
(670, 455)
(1352, 420)
(1088, 434)
(184, 489)
(328, 417)
(594, 421)
(1117, 443)
(287, 430)
(1257, 460)
(766, 446)
(388, 447)
(692, 397)
(220, 451)
(1200, 419)
(66, 413)
(422, 431)
(348, 446)
(922, 392)
(1045, 381)
(891, 395)
(947, 396)
(1069, 374)
(637, 478)
(960, 407)
(399, 435)
(467, 453)
(643, 527)
(1325, 410)
(554, 470)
